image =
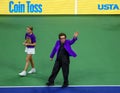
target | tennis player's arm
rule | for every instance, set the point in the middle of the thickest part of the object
(33, 44)
(25, 39)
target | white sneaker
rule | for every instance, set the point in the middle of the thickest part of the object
(33, 70)
(23, 73)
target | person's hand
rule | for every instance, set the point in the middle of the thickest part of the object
(25, 44)
(76, 34)
(51, 59)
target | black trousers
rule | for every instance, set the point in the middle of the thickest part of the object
(60, 63)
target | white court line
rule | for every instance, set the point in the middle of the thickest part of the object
(60, 86)
(76, 6)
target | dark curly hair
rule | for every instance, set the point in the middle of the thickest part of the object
(62, 34)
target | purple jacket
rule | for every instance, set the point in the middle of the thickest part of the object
(67, 46)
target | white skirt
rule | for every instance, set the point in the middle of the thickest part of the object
(30, 50)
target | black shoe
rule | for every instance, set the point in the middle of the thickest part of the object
(49, 84)
(64, 85)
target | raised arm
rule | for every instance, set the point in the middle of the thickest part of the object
(74, 38)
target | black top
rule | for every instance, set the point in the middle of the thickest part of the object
(62, 53)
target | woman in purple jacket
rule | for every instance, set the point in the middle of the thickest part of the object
(63, 50)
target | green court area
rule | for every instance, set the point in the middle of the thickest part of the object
(98, 49)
